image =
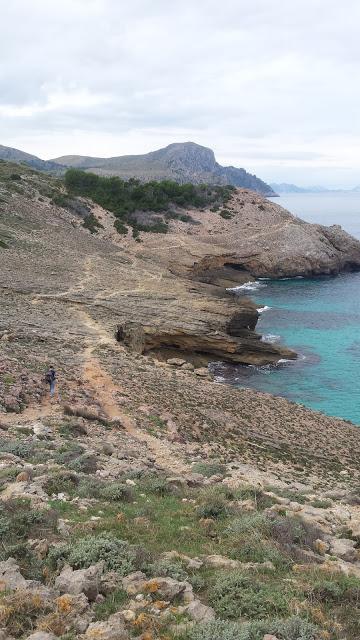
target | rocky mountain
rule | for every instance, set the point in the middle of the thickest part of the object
(183, 162)
(15, 155)
(145, 499)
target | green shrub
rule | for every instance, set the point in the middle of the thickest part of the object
(120, 227)
(17, 448)
(117, 492)
(117, 554)
(168, 569)
(157, 485)
(90, 487)
(338, 589)
(293, 628)
(91, 223)
(235, 595)
(68, 452)
(61, 483)
(213, 503)
(86, 463)
(209, 469)
(321, 504)
(226, 214)
(249, 524)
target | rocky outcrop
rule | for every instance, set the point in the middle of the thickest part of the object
(257, 239)
(217, 345)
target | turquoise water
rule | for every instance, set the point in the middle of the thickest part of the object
(320, 319)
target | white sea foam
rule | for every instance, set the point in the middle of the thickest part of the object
(270, 338)
(248, 286)
(262, 309)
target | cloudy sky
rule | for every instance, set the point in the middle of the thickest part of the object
(271, 86)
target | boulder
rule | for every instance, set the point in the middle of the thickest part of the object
(78, 581)
(134, 582)
(109, 582)
(112, 629)
(221, 562)
(202, 372)
(169, 589)
(41, 430)
(176, 362)
(343, 548)
(199, 612)
(10, 576)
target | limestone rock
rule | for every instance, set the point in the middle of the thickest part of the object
(41, 429)
(221, 562)
(41, 635)
(10, 576)
(112, 629)
(167, 588)
(134, 582)
(343, 548)
(199, 612)
(78, 581)
(176, 362)
(202, 372)
(109, 582)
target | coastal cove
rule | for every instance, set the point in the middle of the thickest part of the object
(319, 318)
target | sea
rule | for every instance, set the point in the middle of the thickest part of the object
(319, 318)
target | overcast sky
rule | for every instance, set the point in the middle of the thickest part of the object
(271, 86)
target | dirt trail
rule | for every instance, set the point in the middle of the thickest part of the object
(106, 390)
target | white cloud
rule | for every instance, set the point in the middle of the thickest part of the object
(271, 86)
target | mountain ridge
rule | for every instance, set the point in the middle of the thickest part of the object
(10, 154)
(179, 161)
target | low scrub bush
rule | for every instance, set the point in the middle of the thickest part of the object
(226, 214)
(213, 503)
(156, 484)
(17, 448)
(235, 595)
(209, 469)
(117, 492)
(168, 569)
(86, 463)
(337, 589)
(117, 554)
(293, 628)
(68, 452)
(61, 483)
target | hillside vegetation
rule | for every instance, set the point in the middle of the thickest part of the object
(127, 198)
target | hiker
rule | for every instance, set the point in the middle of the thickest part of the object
(50, 379)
